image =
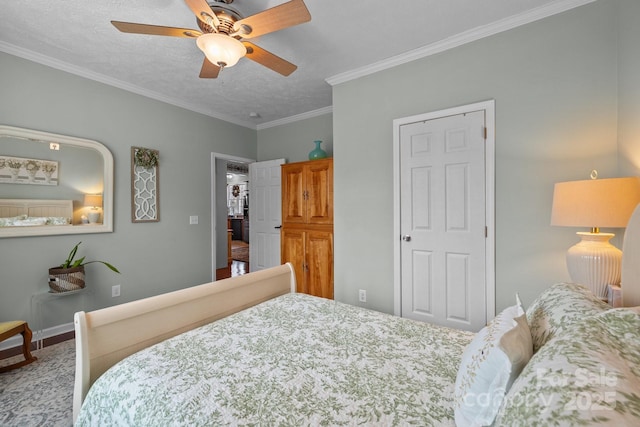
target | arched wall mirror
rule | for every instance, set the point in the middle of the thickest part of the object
(53, 184)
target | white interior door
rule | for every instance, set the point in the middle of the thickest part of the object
(443, 221)
(265, 214)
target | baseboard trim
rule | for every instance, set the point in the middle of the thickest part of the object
(50, 336)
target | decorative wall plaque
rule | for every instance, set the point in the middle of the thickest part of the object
(145, 193)
(18, 170)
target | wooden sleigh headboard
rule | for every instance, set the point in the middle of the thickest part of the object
(104, 337)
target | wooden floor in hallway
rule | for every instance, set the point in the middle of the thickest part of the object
(238, 267)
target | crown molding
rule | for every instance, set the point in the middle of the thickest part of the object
(296, 118)
(110, 81)
(460, 39)
(422, 52)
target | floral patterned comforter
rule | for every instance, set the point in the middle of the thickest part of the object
(294, 360)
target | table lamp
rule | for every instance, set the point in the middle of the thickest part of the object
(594, 203)
(94, 201)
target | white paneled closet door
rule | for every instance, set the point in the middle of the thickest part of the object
(442, 221)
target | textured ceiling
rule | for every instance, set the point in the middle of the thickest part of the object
(343, 36)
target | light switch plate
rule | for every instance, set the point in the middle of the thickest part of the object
(193, 219)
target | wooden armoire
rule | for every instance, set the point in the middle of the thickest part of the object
(307, 224)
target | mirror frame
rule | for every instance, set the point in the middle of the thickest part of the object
(107, 192)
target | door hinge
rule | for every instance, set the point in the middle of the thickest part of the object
(484, 132)
(486, 231)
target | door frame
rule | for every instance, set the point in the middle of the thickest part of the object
(214, 157)
(490, 274)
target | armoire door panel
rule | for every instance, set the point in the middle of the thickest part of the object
(293, 250)
(294, 203)
(319, 251)
(319, 185)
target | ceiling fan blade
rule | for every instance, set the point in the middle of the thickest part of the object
(268, 59)
(203, 12)
(209, 70)
(277, 18)
(155, 30)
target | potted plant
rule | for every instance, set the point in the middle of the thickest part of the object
(69, 276)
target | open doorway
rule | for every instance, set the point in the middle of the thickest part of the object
(238, 217)
(229, 215)
(262, 209)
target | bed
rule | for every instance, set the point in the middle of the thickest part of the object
(250, 351)
(35, 212)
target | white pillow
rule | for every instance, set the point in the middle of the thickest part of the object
(57, 220)
(30, 221)
(490, 364)
(8, 222)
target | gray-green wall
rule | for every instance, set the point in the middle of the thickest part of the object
(153, 257)
(555, 85)
(294, 141)
(629, 88)
(567, 101)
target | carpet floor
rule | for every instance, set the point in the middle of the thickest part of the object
(41, 393)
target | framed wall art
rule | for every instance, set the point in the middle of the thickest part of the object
(19, 170)
(145, 193)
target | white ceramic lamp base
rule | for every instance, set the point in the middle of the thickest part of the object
(594, 262)
(94, 217)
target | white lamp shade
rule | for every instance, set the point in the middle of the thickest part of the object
(595, 202)
(220, 49)
(93, 200)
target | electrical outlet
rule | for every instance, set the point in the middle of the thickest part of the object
(115, 291)
(362, 295)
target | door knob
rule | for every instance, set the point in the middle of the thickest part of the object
(277, 226)
(406, 238)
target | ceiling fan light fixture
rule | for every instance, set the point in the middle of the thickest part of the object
(221, 49)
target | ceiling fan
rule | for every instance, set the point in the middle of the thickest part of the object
(224, 32)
